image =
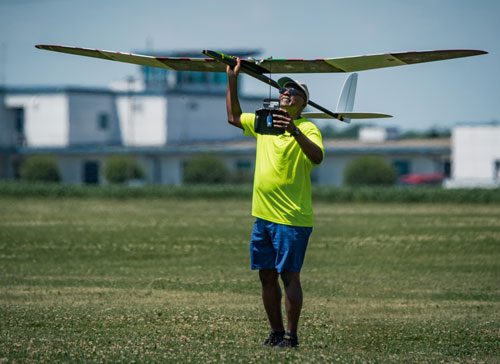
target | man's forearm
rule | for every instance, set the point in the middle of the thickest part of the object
(310, 149)
(232, 102)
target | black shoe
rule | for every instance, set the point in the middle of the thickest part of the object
(289, 341)
(274, 338)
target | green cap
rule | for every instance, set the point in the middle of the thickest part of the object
(283, 81)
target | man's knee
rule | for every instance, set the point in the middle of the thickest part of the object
(268, 276)
(290, 278)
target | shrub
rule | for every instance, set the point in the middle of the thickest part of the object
(369, 170)
(241, 177)
(205, 169)
(40, 169)
(120, 169)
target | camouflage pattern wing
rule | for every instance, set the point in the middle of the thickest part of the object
(326, 65)
(363, 63)
(171, 63)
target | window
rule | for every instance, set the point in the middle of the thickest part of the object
(136, 105)
(219, 78)
(154, 77)
(447, 168)
(192, 105)
(402, 167)
(243, 164)
(188, 78)
(19, 119)
(199, 77)
(243, 173)
(103, 121)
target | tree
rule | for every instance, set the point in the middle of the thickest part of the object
(369, 170)
(40, 169)
(120, 169)
(205, 168)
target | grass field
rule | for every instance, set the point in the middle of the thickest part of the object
(150, 281)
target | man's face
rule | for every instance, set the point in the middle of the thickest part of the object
(292, 97)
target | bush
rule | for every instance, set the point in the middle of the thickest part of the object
(205, 169)
(369, 170)
(324, 194)
(120, 169)
(40, 169)
(241, 177)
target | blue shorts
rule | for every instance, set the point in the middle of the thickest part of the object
(277, 246)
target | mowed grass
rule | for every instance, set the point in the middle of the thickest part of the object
(150, 281)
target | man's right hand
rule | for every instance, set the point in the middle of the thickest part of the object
(233, 71)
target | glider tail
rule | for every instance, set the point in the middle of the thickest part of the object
(346, 99)
(345, 105)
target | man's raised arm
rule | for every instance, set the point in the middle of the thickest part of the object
(232, 102)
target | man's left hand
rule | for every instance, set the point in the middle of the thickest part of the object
(284, 121)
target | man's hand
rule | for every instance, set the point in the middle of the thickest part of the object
(283, 120)
(311, 150)
(233, 71)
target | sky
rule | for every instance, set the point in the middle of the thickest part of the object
(429, 95)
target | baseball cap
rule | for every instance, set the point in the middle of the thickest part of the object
(283, 81)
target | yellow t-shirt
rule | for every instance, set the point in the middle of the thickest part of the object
(282, 181)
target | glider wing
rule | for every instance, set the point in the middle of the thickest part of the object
(171, 63)
(348, 114)
(363, 63)
(344, 64)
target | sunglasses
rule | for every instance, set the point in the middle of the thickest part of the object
(291, 91)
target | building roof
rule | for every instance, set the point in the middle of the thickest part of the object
(414, 146)
(28, 90)
(31, 90)
(247, 145)
(479, 123)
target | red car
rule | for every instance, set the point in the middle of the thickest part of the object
(422, 179)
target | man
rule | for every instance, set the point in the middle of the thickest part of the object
(281, 201)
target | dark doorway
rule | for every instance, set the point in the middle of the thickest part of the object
(91, 172)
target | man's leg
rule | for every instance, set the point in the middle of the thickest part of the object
(293, 299)
(271, 296)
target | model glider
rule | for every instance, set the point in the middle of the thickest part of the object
(217, 62)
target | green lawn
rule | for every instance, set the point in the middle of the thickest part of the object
(147, 280)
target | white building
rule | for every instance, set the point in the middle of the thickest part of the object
(64, 117)
(378, 134)
(152, 119)
(476, 155)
